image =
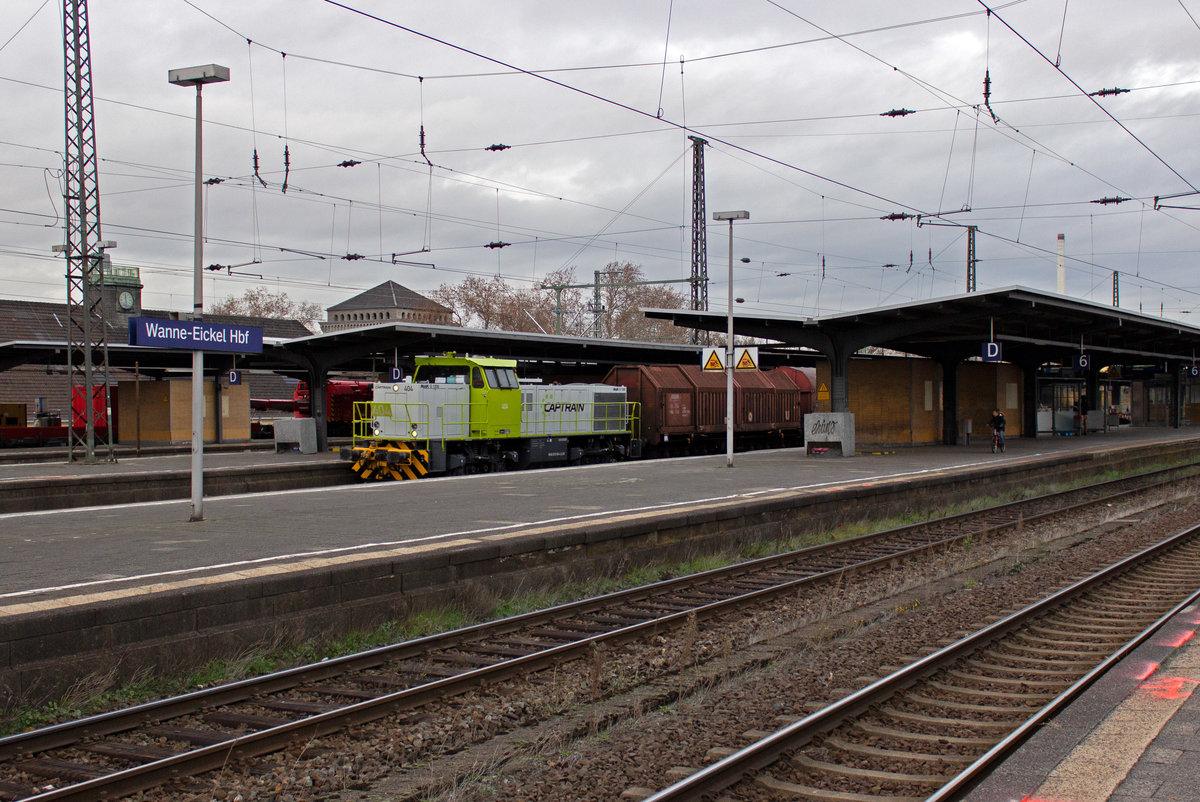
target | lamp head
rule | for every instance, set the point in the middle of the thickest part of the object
(194, 76)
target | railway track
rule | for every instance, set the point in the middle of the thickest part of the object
(125, 751)
(934, 728)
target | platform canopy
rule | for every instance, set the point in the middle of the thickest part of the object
(1032, 328)
(370, 348)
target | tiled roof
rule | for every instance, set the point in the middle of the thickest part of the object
(35, 320)
(388, 295)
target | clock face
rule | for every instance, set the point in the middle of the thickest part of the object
(125, 300)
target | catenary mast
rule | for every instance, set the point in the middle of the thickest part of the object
(87, 336)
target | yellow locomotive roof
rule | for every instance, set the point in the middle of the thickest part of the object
(455, 359)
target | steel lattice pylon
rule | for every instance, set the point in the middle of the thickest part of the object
(87, 340)
(699, 237)
(971, 261)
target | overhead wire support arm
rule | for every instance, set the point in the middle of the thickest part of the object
(1159, 198)
(934, 218)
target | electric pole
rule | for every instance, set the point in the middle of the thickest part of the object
(87, 336)
(699, 238)
(971, 258)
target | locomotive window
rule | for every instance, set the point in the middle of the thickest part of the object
(477, 378)
(442, 374)
(502, 378)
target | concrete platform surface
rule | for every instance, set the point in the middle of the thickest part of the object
(54, 551)
(1131, 737)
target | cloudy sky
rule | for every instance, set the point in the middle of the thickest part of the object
(596, 101)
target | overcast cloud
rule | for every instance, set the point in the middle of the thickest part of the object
(600, 169)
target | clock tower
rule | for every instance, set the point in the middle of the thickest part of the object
(122, 290)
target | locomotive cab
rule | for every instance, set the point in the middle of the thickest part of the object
(494, 404)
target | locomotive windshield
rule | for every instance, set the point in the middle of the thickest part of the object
(497, 378)
(501, 378)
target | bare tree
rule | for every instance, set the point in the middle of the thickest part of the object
(492, 303)
(623, 296)
(261, 302)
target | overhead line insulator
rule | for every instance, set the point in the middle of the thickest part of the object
(349, 163)
(1107, 92)
(898, 216)
(497, 147)
(495, 245)
(1113, 200)
(897, 113)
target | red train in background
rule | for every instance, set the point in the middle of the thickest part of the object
(340, 396)
(48, 428)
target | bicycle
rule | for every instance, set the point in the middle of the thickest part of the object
(997, 441)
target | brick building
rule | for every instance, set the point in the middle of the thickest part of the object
(387, 302)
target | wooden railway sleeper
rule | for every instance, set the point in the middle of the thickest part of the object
(968, 707)
(1071, 671)
(1016, 682)
(880, 731)
(465, 659)
(808, 792)
(187, 735)
(895, 754)
(1085, 645)
(869, 775)
(999, 727)
(1011, 695)
(140, 753)
(347, 693)
(1016, 651)
(1045, 629)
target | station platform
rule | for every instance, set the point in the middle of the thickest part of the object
(53, 548)
(1131, 737)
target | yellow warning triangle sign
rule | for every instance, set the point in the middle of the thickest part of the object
(746, 362)
(713, 362)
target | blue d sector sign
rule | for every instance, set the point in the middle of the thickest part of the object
(195, 335)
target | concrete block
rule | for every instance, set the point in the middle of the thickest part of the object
(299, 432)
(829, 433)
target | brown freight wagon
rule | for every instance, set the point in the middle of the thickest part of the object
(683, 408)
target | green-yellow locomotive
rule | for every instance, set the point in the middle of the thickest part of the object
(472, 415)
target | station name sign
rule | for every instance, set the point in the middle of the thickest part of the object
(195, 335)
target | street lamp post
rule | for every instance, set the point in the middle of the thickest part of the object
(730, 216)
(198, 77)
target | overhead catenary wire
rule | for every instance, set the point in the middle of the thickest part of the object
(1090, 97)
(381, 210)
